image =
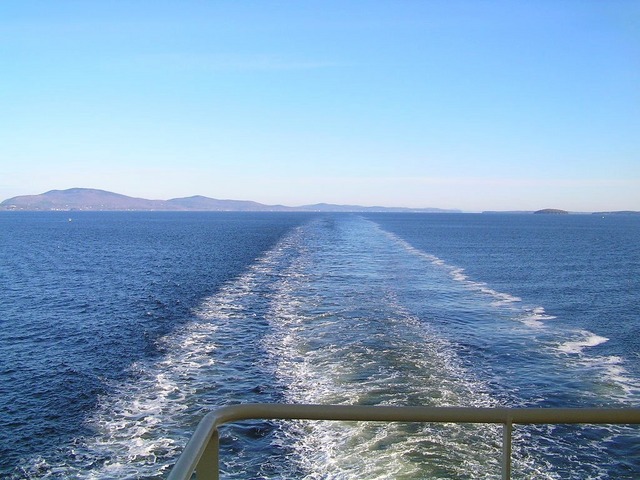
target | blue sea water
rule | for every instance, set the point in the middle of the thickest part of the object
(118, 331)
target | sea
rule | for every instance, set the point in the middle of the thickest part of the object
(120, 330)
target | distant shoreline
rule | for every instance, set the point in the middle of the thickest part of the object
(94, 200)
(86, 199)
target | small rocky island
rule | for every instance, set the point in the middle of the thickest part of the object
(552, 211)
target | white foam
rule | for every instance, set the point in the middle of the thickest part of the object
(586, 340)
(319, 351)
(610, 371)
(322, 355)
(141, 425)
(536, 317)
(457, 273)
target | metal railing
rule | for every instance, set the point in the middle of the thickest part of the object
(201, 453)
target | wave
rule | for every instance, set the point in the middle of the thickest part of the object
(609, 369)
(325, 316)
(143, 424)
(336, 339)
(606, 370)
(586, 340)
(458, 274)
(536, 317)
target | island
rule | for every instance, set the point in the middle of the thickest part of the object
(551, 211)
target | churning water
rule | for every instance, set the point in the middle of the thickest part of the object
(119, 331)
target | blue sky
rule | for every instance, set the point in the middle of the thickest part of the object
(472, 105)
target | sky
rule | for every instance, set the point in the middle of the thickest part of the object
(472, 105)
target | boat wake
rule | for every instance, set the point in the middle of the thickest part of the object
(343, 312)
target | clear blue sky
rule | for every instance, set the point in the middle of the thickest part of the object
(472, 105)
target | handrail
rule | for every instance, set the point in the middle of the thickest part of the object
(201, 452)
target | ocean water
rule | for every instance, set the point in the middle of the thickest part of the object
(118, 331)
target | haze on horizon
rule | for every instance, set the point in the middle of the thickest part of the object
(447, 104)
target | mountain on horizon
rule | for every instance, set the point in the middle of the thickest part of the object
(90, 199)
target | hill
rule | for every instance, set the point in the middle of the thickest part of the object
(89, 199)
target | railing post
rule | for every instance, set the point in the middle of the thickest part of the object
(506, 448)
(208, 467)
